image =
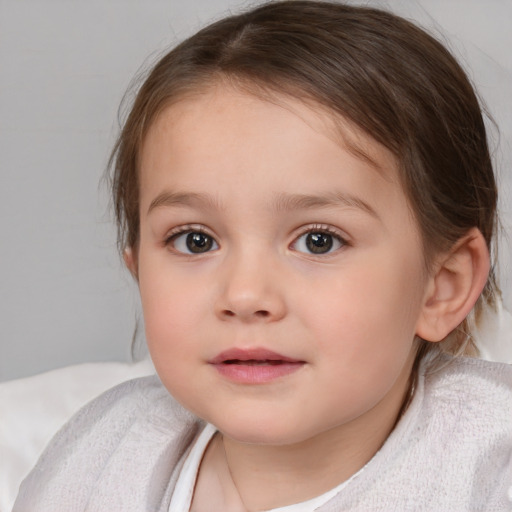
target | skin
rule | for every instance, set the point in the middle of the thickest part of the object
(232, 166)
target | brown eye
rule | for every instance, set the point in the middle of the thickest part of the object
(318, 242)
(193, 242)
(199, 242)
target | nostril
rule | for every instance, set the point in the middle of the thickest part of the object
(261, 313)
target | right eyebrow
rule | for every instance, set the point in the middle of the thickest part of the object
(170, 199)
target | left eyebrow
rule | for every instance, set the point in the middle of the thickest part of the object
(290, 202)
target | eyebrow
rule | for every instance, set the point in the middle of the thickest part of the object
(282, 202)
(290, 202)
(170, 199)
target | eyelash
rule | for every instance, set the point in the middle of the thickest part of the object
(187, 228)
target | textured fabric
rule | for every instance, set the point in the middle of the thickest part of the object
(34, 408)
(451, 451)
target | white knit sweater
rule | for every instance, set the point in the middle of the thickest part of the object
(450, 452)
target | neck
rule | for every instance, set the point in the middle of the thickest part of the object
(269, 476)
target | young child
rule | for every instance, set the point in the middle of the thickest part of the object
(306, 200)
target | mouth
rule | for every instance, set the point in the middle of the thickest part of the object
(254, 366)
(255, 362)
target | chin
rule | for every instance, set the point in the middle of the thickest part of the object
(270, 433)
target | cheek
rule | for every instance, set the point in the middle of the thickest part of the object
(368, 315)
(364, 343)
(168, 316)
(169, 335)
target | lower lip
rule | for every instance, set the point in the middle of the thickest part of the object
(257, 373)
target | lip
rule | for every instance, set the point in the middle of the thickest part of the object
(255, 365)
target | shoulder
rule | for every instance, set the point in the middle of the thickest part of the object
(138, 401)
(466, 424)
(461, 367)
(130, 401)
(467, 402)
(452, 449)
(110, 448)
(471, 388)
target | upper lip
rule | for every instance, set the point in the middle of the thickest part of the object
(251, 354)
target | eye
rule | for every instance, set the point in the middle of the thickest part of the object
(192, 242)
(318, 241)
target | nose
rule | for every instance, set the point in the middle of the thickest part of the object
(251, 291)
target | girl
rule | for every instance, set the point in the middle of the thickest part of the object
(305, 197)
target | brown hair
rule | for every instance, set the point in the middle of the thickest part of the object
(379, 71)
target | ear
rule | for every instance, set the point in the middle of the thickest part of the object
(454, 287)
(130, 260)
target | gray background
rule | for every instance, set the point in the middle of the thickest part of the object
(64, 67)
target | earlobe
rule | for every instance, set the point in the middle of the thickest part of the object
(454, 287)
(129, 257)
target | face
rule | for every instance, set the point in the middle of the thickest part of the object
(281, 276)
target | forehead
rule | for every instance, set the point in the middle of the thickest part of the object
(227, 132)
